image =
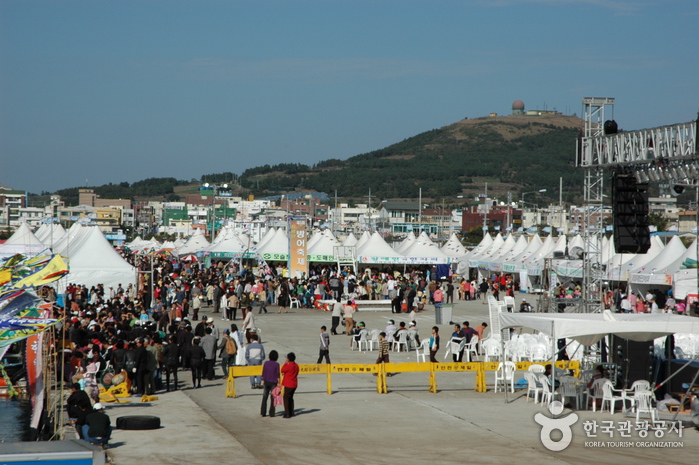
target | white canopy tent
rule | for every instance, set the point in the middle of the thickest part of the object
(375, 250)
(350, 240)
(49, 233)
(515, 264)
(462, 269)
(588, 328)
(453, 247)
(424, 253)
(23, 241)
(323, 250)
(656, 271)
(276, 248)
(195, 243)
(491, 261)
(92, 260)
(364, 237)
(620, 264)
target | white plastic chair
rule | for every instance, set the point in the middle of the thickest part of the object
(533, 386)
(294, 301)
(455, 346)
(510, 304)
(402, 341)
(537, 353)
(640, 385)
(505, 374)
(569, 388)
(492, 350)
(609, 397)
(547, 393)
(536, 368)
(594, 393)
(373, 340)
(644, 404)
(423, 352)
(363, 341)
(472, 348)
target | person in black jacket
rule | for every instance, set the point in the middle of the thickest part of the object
(171, 355)
(141, 367)
(196, 361)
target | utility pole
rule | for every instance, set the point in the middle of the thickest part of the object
(485, 215)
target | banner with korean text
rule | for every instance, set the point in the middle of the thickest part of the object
(298, 239)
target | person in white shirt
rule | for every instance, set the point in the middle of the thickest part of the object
(654, 306)
(336, 315)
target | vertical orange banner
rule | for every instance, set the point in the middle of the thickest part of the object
(298, 257)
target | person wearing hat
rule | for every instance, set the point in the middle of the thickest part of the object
(524, 306)
(97, 428)
(200, 329)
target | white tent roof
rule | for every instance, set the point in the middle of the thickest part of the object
(588, 328)
(195, 243)
(49, 233)
(421, 253)
(495, 245)
(323, 250)
(409, 239)
(376, 250)
(365, 237)
(22, 241)
(276, 248)
(669, 254)
(268, 235)
(92, 260)
(515, 264)
(620, 264)
(665, 275)
(350, 240)
(519, 247)
(506, 246)
(453, 247)
(230, 244)
(462, 269)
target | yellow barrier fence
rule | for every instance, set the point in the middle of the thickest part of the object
(382, 369)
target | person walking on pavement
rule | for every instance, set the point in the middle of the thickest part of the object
(208, 343)
(324, 346)
(270, 380)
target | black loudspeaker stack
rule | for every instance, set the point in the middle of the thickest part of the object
(630, 214)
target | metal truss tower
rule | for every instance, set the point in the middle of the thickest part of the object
(594, 109)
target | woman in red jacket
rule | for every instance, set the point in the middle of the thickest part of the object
(290, 373)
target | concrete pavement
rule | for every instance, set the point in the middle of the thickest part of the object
(357, 425)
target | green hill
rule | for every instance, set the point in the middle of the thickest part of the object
(511, 153)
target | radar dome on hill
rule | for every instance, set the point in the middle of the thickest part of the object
(518, 107)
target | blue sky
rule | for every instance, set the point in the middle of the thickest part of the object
(107, 91)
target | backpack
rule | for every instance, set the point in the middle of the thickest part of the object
(438, 295)
(231, 348)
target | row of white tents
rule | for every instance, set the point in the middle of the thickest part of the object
(668, 265)
(91, 258)
(322, 246)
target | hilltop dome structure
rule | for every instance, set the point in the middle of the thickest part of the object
(518, 107)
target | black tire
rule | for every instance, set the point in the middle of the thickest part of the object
(138, 422)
